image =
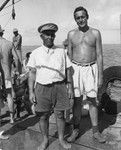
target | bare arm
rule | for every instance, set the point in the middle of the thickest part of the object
(99, 58)
(32, 77)
(70, 48)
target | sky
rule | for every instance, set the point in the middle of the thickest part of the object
(104, 15)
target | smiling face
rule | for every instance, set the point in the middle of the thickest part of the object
(81, 18)
(48, 38)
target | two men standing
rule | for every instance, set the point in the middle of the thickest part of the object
(50, 66)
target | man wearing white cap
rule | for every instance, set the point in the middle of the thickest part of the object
(48, 65)
(17, 41)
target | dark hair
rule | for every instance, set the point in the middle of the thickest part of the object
(80, 8)
(1, 34)
(28, 54)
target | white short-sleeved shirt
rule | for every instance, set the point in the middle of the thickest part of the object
(50, 64)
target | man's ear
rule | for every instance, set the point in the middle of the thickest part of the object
(41, 35)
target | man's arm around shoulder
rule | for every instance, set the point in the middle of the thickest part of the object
(70, 44)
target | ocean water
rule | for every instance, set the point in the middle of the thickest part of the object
(111, 54)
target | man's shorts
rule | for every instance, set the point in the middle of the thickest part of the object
(51, 97)
(85, 80)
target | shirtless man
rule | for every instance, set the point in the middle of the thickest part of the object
(85, 51)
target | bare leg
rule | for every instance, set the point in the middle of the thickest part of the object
(61, 126)
(19, 52)
(0, 118)
(11, 107)
(18, 61)
(77, 112)
(3, 137)
(33, 109)
(76, 119)
(94, 120)
(44, 127)
(93, 115)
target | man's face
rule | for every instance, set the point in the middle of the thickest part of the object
(15, 33)
(48, 38)
(81, 18)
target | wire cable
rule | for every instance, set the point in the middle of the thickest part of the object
(11, 4)
(5, 14)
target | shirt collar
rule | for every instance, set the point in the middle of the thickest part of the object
(47, 50)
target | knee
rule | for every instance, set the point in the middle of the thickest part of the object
(59, 114)
(92, 101)
(78, 101)
(9, 97)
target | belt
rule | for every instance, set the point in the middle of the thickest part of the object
(52, 84)
(83, 65)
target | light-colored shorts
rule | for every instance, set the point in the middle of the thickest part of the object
(85, 80)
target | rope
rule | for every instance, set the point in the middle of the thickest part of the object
(5, 14)
(12, 4)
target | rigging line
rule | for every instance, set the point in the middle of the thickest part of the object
(5, 14)
(7, 22)
(11, 4)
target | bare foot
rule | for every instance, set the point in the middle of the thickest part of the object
(65, 144)
(73, 136)
(99, 137)
(43, 145)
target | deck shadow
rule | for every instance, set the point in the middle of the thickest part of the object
(22, 125)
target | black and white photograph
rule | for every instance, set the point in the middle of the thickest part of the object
(60, 75)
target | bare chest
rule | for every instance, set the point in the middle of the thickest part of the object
(84, 40)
